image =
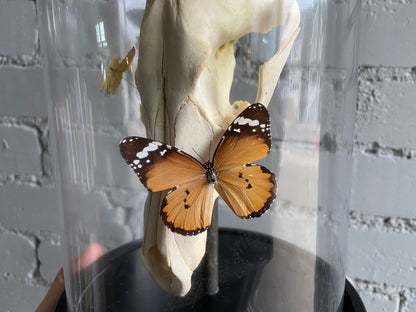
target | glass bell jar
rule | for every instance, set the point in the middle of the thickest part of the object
(202, 151)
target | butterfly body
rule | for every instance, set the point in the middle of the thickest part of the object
(210, 173)
(247, 189)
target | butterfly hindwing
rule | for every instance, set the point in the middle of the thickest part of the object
(187, 208)
(247, 139)
(159, 166)
(248, 190)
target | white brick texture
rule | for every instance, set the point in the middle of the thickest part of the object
(377, 298)
(20, 150)
(371, 257)
(16, 296)
(23, 92)
(51, 259)
(18, 255)
(28, 208)
(18, 27)
(387, 35)
(382, 233)
(384, 187)
(386, 100)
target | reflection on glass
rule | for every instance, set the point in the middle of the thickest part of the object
(99, 30)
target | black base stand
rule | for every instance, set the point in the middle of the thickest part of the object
(352, 301)
(252, 269)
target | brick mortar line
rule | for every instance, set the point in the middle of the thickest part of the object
(35, 277)
(377, 150)
(43, 236)
(29, 281)
(21, 61)
(30, 237)
(385, 4)
(289, 209)
(404, 293)
(33, 180)
(33, 60)
(22, 120)
(364, 222)
(383, 290)
(40, 127)
(373, 74)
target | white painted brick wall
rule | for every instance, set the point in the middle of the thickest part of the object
(387, 33)
(18, 35)
(29, 225)
(20, 150)
(18, 255)
(382, 253)
(382, 238)
(22, 90)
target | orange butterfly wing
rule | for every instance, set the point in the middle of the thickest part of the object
(247, 139)
(187, 208)
(159, 166)
(248, 190)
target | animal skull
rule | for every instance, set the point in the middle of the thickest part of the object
(184, 76)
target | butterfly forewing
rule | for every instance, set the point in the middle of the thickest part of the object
(248, 190)
(187, 208)
(159, 166)
(247, 139)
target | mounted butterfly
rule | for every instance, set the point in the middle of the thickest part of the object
(248, 189)
(114, 72)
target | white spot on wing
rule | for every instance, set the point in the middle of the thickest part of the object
(244, 121)
(149, 148)
(163, 152)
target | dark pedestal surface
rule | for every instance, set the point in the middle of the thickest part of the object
(256, 273)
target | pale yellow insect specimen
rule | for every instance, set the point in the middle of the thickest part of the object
(114, 72)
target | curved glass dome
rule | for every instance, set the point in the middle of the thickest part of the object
(180, 72)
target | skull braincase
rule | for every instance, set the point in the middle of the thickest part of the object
(184, 75)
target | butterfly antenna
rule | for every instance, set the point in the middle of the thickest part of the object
(200, 158)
